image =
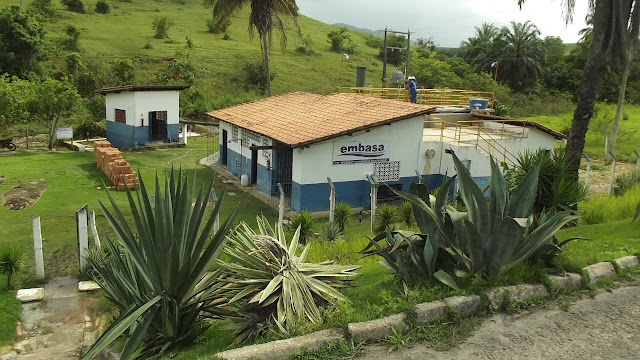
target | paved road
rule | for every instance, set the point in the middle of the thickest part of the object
(604, 327)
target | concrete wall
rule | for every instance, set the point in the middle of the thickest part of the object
(146, 101)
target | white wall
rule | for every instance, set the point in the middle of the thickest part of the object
(123, 101)
(313, 164)
(146, 101)
(442, 163)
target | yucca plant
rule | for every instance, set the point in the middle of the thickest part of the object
(330, 232)
(160, 280)
(406, 214)
(11, 263)
(304, 221)
(386, 217)
(270, 283)
(342, 215)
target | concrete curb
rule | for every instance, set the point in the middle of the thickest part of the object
(426, 313)
(283, 349)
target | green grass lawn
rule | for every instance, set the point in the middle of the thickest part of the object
(628, 135)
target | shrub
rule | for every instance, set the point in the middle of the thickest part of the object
(625, 182)
(217, 28)
(90, 128)
(72, 41)
(490, 236)
(386, 217)
(256, 75)
(11, 263)
(274, 287)
(341, 41)
(161, 25)
(76, 6)
(160, 281)
(342, 215)
(406, 214)
(102, 7)
(44, 7)
(227, 37)
(330, 232)
(305, 221)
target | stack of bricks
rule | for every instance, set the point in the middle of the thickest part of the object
(110, 161)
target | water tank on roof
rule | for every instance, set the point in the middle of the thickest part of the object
(361, 73)
(397, 75)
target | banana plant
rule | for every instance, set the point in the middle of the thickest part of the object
(270, 283)
(157, 273)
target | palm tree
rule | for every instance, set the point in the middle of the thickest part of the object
(264, 16)
(481, 50)
(612, 21)
(521, 55)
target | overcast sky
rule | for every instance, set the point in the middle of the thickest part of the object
(448, 22)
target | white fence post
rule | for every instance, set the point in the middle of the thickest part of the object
(37, 247)
(83, 236)
(332, 200)
(588, 174)
(373, 180)
(216, 222)
(613, 173)
(94, 229)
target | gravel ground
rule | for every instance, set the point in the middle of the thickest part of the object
(604, 327)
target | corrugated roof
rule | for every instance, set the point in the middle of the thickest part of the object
(117, 89)
(487, 116)
(300, 118)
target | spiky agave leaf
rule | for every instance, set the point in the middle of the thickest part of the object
(162, 268)
(270, 283)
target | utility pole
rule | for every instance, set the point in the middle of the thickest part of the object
(407, 69)
(384, 60)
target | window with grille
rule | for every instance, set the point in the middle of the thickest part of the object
(161, 115)
(387, 171)
(234, 133)
(121, 116)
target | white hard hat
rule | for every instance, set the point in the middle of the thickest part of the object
(411, 78)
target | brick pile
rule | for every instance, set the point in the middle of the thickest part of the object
(109, 160)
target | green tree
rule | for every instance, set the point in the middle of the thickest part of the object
(51, 100)
(14, 96)
(481, 50)
(22, 40)
(72, 41)
(340, 40)
(521, 55)
(396, 49)
(76, 6)
(44, 7)
(264, 16)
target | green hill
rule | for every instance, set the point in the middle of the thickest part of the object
(126, 32)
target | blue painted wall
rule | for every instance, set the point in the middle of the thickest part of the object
(264, 180)
(122, 135)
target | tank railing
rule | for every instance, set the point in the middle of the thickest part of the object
(477, 134)
(442, 97)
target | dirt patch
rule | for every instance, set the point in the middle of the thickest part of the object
(601, 175)
(24, 195)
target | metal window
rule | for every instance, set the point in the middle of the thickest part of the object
(121, 116)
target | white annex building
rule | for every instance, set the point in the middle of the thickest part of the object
(300, 140)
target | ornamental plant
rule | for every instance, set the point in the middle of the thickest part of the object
(270, 284)
(157, 269)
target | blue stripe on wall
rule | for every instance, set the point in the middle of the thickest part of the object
(173, 130)
(122, 135)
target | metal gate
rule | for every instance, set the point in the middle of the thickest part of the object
(281, 168)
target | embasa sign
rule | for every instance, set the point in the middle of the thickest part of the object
(354, 152)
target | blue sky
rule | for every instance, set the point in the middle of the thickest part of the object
(448, 22)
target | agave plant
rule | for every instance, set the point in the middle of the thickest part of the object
(304, 221)
(342, 215)
(270, 284)
(159, 278)
(330, 232)
(386, 217)
(406, 214)
(489, 236)
(11, 263)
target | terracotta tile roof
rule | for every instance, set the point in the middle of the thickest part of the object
(486, 116)
(118, 89)
(299, 118)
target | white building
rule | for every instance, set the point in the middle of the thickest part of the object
(301, 139)
(138, 115)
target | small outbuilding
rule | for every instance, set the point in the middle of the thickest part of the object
(139, 115)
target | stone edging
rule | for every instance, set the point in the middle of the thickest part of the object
(429, 312)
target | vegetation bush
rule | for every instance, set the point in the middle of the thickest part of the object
(275, 288)
(90, 128)
(490, 236)
(44, 7)
(341, 41)
(161, 25)
(305, 221)
(72, 41)
(602, 208)
(160, 281)
(330, 232)
(406, 214)
(11, 263)
(342, 215)
(625, 182)
(76, 6)
(217, 28)
(103, 7)
(306, 48)
(555, 191)
(386, 217)
(255, 76)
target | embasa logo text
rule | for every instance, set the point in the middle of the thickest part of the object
(360, 150)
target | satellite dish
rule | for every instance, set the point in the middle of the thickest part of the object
(431, 153)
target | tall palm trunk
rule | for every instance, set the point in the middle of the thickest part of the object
(616, 120)
(267, 70)
(586, 92)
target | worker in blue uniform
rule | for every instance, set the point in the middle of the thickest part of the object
(412, 86)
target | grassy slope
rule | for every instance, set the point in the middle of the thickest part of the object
(124, 32)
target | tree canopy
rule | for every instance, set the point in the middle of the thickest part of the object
(22, 40)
